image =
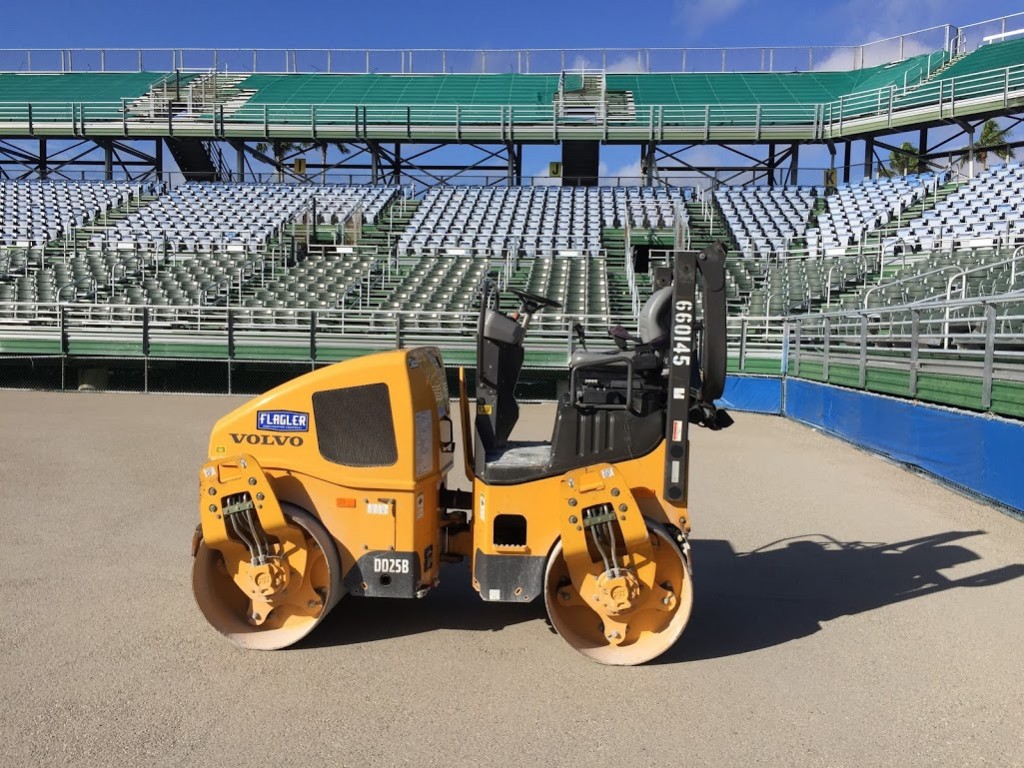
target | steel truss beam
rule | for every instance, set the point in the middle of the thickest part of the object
(375, 162)
(77, 159)
(778, 164)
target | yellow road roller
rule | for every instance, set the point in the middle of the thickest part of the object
(334, 484)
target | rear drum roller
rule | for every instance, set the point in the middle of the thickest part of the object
(650, 628)
(295, 601)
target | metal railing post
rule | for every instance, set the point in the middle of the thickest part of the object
(145, 331)
(827, 340)
(915, 349)
(743, 343)
(989, 364)
(784, 360)
(312, 336)
(863, 376)
(796, 345)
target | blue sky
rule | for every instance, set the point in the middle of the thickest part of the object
(477, 23)
(484, 24)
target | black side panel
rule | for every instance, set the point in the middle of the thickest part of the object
(385, 574)
(587, 436)
(499, 576)
(581, 161)
(354, 426)
(680, 357)
(714, 352)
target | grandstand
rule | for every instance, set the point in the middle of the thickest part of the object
(911, 284)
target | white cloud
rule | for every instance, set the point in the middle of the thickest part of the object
(627, 64)
(696, 16)
(876, 54)
(629, 174)
(624, 63)
(863, 21)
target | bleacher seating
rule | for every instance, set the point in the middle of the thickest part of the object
(798, 285)
(197, 244)
(235, 244)
(764, 220)
(858, 209)
(202, 218)
(985, 212)
(33, 213)
(535, 220)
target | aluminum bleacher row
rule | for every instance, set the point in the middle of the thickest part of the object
(764, 220)
(33, 213)
(198, 244)
(983, 212)
(233, 217)
(856, 210)
(535, 220)
(544, 239)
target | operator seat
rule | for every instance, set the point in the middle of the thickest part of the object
(499, 361)
(654, 325)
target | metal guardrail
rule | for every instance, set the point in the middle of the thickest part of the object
(979, 340)
(478, 60)
(884, 107)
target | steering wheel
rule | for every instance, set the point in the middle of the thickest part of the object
(532, 298)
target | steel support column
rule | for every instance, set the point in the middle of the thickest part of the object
(239, 162)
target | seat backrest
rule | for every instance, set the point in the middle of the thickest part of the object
(655, 321)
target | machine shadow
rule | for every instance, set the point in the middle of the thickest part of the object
(746, 601)
(452, 605)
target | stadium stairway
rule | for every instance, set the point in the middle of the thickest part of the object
(703, 232)
(391, 223)
(886, 234)
(193, 159)
(851, 293)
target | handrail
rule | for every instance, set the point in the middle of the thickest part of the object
(822, 120)
(450, 60)
(902, 280)
(965, 271)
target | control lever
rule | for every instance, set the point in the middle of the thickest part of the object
(622, 337)
(580, 334)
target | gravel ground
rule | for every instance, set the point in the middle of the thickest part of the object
(848, 612)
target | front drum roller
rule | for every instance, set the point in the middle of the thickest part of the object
(647, 630)
(300, 584)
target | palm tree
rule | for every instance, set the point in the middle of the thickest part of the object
(283, 149)
(993, 139)
(905, 160)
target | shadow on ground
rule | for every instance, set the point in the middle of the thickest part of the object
(785, 590)
(745, 601)
(455, 605)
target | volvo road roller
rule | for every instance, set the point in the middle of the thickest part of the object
(334, 484)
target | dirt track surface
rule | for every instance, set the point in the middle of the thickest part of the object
(849, 613)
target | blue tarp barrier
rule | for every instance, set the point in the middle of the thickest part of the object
(752, 393)
(982, 453)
